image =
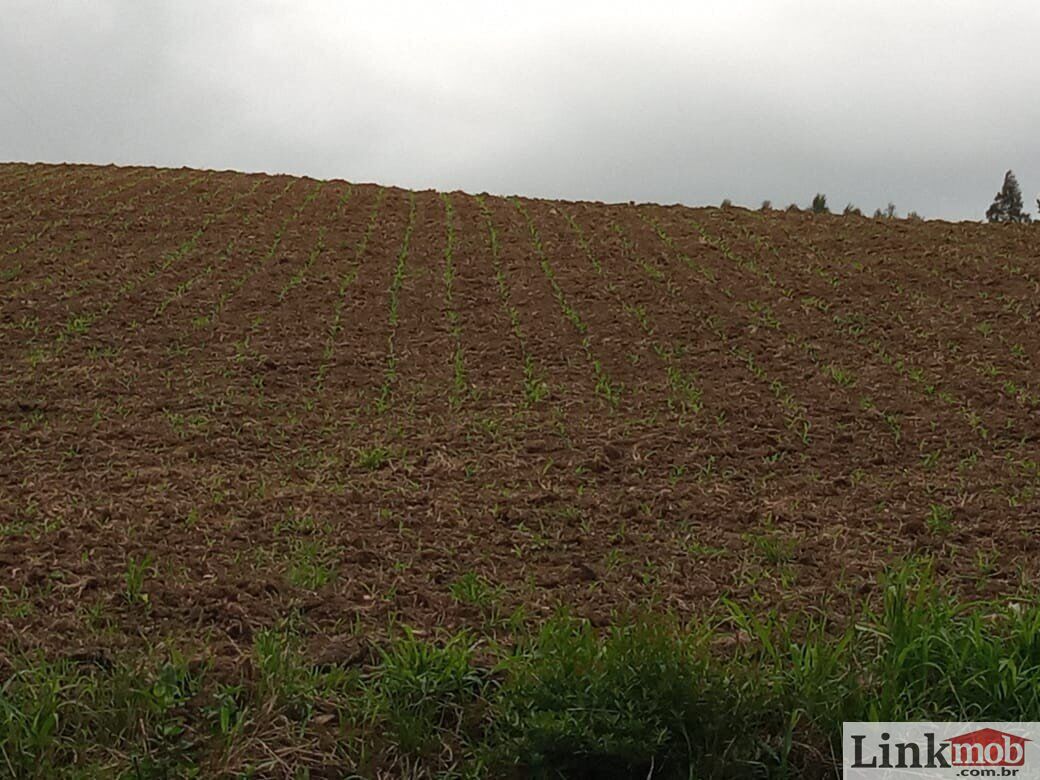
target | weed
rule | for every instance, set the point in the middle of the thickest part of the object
(137, 571)
(424, 691)
(283, 678)
(840, 375)
(939, 519)
(774, 548)
(310, 564)
(685, 394)
(470, 588)
(372, 458)
(639, 702)
(645, 697)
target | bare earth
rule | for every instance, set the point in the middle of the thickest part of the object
(283, 399)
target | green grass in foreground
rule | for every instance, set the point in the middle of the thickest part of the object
(647, 698)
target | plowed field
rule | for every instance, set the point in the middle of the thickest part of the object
(231, 400)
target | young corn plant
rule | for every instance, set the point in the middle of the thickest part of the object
(686, 395)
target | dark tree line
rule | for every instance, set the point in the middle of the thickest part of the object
(1006, 207)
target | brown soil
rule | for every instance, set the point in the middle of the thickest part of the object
(599, 406)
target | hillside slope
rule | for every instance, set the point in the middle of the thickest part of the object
(229, 399)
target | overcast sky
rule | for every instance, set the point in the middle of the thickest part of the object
(922, 103)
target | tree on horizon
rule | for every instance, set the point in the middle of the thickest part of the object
(1007, 205)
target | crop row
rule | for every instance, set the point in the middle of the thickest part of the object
(42, 229)
(386, 389)
(859, 328)
(346, 279)
(56, 266)
(860, 325)
(605, 387)
(536, 386)
(459, 383)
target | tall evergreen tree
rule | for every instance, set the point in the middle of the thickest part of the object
(1007, 206)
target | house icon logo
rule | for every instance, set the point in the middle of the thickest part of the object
(987, 747)
(888, 750)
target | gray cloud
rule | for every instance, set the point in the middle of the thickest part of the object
(922, 103)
